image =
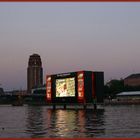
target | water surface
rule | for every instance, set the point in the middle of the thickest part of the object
(39, 121)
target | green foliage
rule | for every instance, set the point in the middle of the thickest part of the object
(113, 87)
(1, 91)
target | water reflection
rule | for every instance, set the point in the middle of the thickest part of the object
(74, 123)
(94, 123)
(35, 122)
(43, 122)
(38, 121)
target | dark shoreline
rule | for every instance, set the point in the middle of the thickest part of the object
(121, 102)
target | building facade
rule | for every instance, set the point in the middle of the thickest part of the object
(131, 97)
(132, 80)
(34, 72)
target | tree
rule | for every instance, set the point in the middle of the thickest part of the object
(1, 91)
(113, 87)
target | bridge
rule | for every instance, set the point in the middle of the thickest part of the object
(25, 98)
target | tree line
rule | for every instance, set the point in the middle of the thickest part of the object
(115, 86)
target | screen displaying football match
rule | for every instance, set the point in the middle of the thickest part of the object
(65, 87)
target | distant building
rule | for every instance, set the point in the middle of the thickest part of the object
(129, 96)
(132, 80)
(34, 72)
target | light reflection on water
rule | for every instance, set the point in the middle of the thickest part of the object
(38, 121)
(64, 123)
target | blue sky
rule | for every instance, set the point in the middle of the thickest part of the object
(69, 37)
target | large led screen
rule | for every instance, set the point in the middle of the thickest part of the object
(65, 87)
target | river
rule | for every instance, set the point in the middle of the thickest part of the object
(40, 122)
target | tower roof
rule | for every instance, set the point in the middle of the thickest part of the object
(35, 54)
(34, 60)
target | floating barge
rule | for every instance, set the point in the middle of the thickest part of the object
(70, 106)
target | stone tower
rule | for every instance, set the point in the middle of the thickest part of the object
(34, 72)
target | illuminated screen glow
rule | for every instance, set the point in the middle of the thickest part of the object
(65, 87)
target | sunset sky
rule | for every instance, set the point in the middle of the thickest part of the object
(69, 37)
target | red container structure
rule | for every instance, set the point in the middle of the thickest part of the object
(75, 87)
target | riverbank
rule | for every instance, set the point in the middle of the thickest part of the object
(121, 102)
